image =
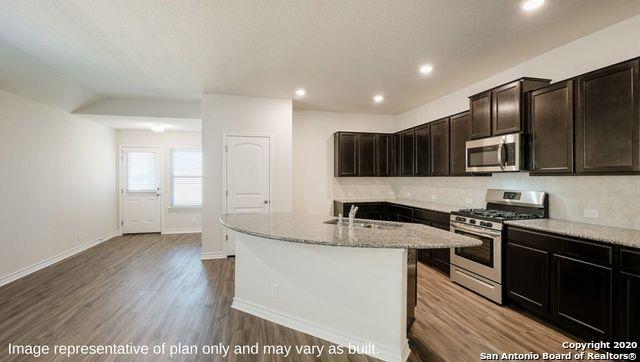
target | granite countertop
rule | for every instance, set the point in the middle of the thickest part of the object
(311, 229)
(605, 234)
(427, 205)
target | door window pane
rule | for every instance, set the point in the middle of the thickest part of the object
(141, 171)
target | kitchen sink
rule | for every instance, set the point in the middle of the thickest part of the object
(365, 224)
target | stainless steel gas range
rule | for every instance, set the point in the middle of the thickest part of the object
(479, 268)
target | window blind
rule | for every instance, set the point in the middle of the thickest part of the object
(141, 171)
(185, 182)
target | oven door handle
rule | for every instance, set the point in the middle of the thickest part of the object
(475, 230)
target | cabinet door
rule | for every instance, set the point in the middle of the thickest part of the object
(460, 133)
(528, 277)
(366, 154)
(581, 297)
(608, 120)
(345, 154)
(423, 150)
(480, 108)
(397, 152)
(551, 121)
(440, 147)
(384, 154)
(629, 307)
(505, 108)
(407, 152)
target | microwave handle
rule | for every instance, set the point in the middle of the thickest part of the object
(500, 148)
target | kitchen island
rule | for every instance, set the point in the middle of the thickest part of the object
(353, 286)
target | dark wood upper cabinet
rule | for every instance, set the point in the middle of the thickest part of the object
(501, 110)
(506, 115)
(423, 150)
(551, 126)
(608, 120)
(384, 155)
(440, 147)
(407, 152)
(480, 110)
(459, 134)
(345, 154)
(366, 157)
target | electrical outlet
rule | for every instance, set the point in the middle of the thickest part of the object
(434, 197)
(275, 291)
(350, 194)
(77, 236)
(193, 221)
(391, 193)
(408, 194)
(467, 201)
(591, 214)
(322, 190)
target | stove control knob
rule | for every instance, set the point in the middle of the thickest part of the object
(488, 224)
(472, 221)
(461, 219)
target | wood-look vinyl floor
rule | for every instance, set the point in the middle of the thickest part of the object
(151, 289)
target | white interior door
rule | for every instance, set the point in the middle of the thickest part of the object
(141, 201)
(248, 177)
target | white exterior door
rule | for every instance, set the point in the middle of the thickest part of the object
(248, 177)
(141, 201)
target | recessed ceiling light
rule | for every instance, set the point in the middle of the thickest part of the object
(157, 128)
(531, 4)
(425, 68)
(378, 98)
(300, 92)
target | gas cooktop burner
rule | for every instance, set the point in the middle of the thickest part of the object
(497, 214)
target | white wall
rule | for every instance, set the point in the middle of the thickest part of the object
(314, 186)
(175, 220)
(615, 197)
(57, 184)
(605, 47)
(244, 115)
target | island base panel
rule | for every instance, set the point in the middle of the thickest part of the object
(344, 295)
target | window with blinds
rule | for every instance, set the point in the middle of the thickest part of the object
(185, 182)
(141, 172)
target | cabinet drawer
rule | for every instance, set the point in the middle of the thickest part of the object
(433, 216)
(630, 261)
(583, 250)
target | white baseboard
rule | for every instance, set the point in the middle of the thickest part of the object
(213, 255)
(55, 259)
(343, 339)
(182, 231)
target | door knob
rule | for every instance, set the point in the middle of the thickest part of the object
(266, 202)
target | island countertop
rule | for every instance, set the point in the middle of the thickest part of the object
(312, 229)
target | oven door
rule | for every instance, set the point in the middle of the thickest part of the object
(494, 154)
(484, 260)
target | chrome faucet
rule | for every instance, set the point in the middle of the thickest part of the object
(352, 215)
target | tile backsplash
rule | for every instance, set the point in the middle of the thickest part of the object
(602, 200)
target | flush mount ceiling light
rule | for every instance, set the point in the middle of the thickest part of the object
(300, 92)
(425, 68)
(157, 128)
(378, 98)
(529, 5)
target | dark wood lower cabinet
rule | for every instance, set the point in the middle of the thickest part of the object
(582, 297)
(528, 277)
(587, 288)
(629, 307)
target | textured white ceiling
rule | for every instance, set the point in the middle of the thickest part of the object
(341, 51)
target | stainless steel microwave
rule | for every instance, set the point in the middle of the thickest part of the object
(494, 154)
